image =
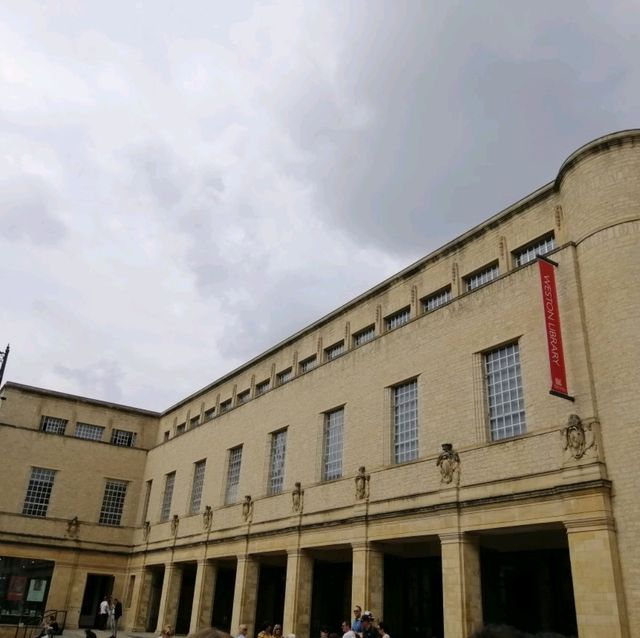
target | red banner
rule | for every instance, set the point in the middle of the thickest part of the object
(552, 325)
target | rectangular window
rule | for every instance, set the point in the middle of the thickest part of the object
(481, 277)
(531, 251)
(194, 422)
(53, 425)
(167, 434)
(263, 387)
(276, 465)
(243, 397)
(334, 351)
(36, 502)
(405, 422)
(364, 336)
(233, 475)
(209, 414)
(147, 497)
(285, 376)
(196, 488)
(88, 431)
(113, 502)
(437, 299)
(332, 448)
(180, 428)
(123, 438)
(398, 319)
(167, 497)
(225, 406)
(307, 364)
(505, 398)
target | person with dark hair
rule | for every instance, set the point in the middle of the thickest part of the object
(277, 631)
(356, 625)
(324, 631)
(382, 630)
(266, 630)
(347, 632)
(368, 630)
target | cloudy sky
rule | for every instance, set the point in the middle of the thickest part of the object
(183, 184)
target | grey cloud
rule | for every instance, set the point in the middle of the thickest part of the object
(101, 379)
(26, 211)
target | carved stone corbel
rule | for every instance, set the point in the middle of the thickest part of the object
(578, 438)
(146, 529)
(73, 527)
(175, 523)
(207, 518)
(297, 498)
(247, 508)
(362, 483)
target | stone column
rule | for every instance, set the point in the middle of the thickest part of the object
(139, 610)
(170, 596)
(597, 582)
(203, 594)
(139, 601)
(245, 595)
(461, 585)
(367, 580)
(297, 600)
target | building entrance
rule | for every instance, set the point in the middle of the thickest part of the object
(185, 604)
(223, 598)
(96, 588)
(331, 598)
(271, 592)
(155, 593)
(526, 582)
(413, 588)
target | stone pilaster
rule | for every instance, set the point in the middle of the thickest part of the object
(245, 595)
(140, 600)
(203, 594)
(367, 580)
(461, 585)
(597, 582)
(170, 596)
(297, 600)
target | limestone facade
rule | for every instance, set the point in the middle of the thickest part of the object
(532, 483)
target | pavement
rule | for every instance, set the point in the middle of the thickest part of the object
(79, 633)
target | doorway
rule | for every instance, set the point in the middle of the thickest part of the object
(96, 588)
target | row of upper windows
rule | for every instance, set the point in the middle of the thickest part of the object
(504, 401)
(521, 256)
(56, 425)
(40, 488)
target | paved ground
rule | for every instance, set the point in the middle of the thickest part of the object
(79, 633)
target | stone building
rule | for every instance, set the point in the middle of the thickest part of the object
(403, 453)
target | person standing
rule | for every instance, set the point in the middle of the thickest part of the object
(111, 620)
(117, 614)
(103, 613)
(383, 630)
(356, 625)
(347, 632)
(368, 630)
(266, 630)
(242, 631)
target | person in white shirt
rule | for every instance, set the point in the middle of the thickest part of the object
(103, 613)
(347, 632)
(242, 631)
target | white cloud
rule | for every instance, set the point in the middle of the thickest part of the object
(183, 186)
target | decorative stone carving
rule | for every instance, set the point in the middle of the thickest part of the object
(146, 529)
(362, 483)
(175, 522)
(578, 437)
(247, 508)
(207, 518)
(449, 464)
(558, 216)
(73, 526)
(297, 497)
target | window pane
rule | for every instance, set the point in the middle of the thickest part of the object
(364, 336)
(334, 351)
(332, 452)
(482, 277)
(196, 488)
(167, 497)
(529, 253)
(113, 502)
(123, 438)
(398, 319)
(276, 471)
(233, 475)
(307, 364)
(436, 300)
(53, 425)
(36, 501)
(505, 397)
(405, 420)
(285, 376)
(88, 431)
